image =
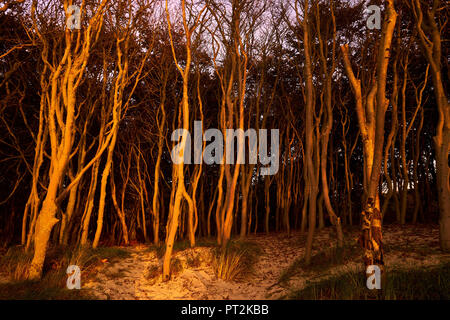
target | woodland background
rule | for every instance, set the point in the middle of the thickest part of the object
(86, 117)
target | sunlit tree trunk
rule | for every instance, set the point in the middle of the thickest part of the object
(65, 78)
(371, 236)
(178, 175)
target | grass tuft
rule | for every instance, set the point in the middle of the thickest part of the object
(176, 266)
(236, 261)
(153, 272)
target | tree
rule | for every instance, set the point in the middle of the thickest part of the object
(178, 176)
(371, 123)
(60, 81)
(430, 39)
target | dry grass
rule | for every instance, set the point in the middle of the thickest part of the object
(153, 273)
(236, 261)
(176, 266)
(431, 283)
(228, 265)
(16, 261)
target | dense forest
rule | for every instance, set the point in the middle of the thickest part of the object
(349, 110)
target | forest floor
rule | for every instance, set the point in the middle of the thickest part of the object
(278, 270)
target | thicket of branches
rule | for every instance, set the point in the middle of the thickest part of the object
(86, 118)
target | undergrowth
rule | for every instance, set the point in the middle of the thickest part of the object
(431, 283)
(322, 261)
(16, 261)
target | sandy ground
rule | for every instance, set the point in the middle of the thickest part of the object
(406, 246)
